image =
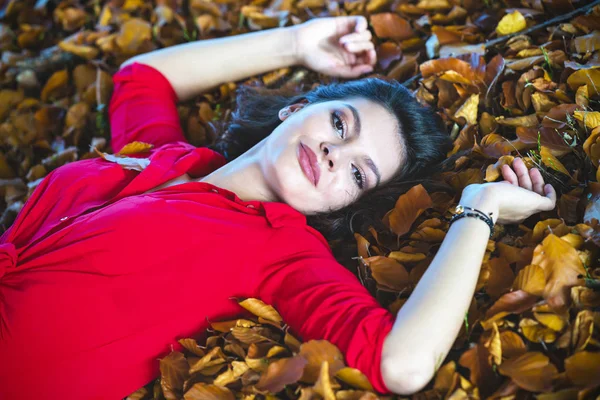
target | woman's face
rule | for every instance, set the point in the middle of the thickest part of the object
(324, 156)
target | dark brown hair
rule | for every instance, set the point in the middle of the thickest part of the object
(425, 140)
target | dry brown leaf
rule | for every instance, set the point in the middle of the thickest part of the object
(315, 352)
(282, 372)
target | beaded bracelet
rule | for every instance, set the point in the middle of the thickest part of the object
(460, 213)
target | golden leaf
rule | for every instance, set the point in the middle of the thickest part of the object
(323, 384)
(354, 378)
(469, 109)
(531, 371)
(494, 171)
(512, 344)
(531, 279)
(57, 86)
(134, 148)
(589, 77)
(261, 309)
(136, 164)
(403, 257)
(511, 23)
(591, 146)
(582, 96)
(551, 161)
(591, 119)
(583, 368)
(238, 368)
(561, 265)
(133, 35)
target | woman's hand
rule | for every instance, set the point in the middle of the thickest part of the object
(337, 46)
(521, 194)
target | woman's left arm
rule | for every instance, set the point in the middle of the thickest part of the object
(338, 46)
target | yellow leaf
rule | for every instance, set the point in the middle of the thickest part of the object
(238, 368)
(582, 96)
(589, 77)
(511, 23)
(354, 378)
(551, 161)
(135, 147)
(323, 384)
(493, 170)
(531, 279)
(261, 309)
(591, 119)
(469, 109)
(56, 86)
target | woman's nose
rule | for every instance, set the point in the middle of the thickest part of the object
(331, 155)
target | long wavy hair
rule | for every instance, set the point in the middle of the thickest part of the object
(423, 134)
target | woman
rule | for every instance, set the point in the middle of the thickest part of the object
(106, 267)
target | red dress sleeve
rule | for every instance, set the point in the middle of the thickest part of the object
(320, 299)
(143, 108)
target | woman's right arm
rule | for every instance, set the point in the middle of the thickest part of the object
(427, 324)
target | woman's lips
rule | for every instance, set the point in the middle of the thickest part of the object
(308, 164)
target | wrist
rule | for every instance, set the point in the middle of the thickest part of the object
(480, 200)
(293, 35)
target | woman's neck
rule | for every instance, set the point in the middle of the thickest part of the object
(243, 176)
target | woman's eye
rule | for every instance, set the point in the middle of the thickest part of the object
(358, 177)
(338, 124)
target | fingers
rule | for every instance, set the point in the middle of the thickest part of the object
(522, 174)
(532, 180)
(351, 24)
(365, 36)
(550, 194)
(537, 181)
(356, 47)
(509, 175)
(361, 47)
(361, 24)
(519, 175)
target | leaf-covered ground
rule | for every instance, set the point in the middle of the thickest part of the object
(510, 78)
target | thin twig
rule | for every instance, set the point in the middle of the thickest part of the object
(552, 21)
(496, 41)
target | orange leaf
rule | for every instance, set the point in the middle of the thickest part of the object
(408, 208)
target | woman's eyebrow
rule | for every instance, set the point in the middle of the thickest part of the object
(356, 119)
(373, 167)
(356, 131)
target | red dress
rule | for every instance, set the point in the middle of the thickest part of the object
(99, 279)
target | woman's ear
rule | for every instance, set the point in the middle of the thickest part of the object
(292, 108)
